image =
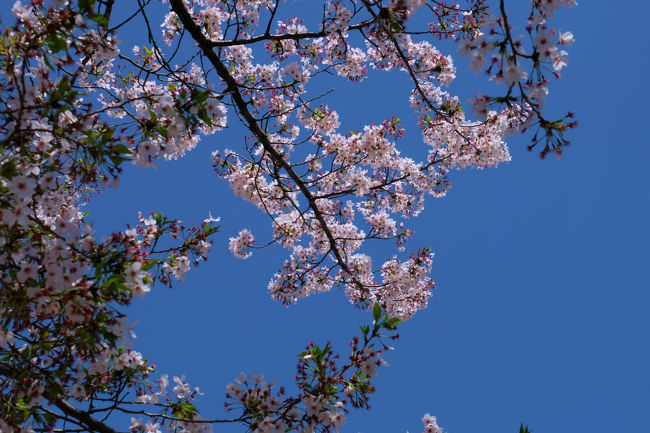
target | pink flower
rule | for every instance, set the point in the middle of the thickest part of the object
(430, 424)
(239, 245)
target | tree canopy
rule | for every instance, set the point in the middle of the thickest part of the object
(76, 106)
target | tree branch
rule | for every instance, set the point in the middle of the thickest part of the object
(83, 417)
(232, 87)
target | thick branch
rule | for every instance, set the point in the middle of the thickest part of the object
(232, 87)
(83, 417)
(292, 36)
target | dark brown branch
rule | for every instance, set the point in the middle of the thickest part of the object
(83, 417)
(232, 87)
(269, 37)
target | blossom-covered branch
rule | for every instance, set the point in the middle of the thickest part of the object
(74, 109)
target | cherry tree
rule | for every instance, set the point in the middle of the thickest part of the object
(77, 106)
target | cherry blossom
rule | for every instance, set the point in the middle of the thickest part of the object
(76, 106)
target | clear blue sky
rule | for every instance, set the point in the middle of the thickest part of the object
(542, 309)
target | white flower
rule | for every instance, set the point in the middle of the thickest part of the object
(239, 245)
(566, 38)
(182, 388)
(430, 424)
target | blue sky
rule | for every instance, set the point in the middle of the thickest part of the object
(541, 312)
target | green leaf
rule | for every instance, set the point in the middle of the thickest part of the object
(85, 5)
(201, 97)
(364, 330)
(203, 115)
(148, 264)
(118, 160)
(331, 390)
(20, 404)
(99, 19)
(186, 411)
(55, 43)
(163, 131)
(376, 311)
(390, 323)
(47, 62)
(49, 418)
(208, 229)
(120, 148)
(154, 118)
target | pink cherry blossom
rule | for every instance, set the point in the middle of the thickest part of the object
(76, 107)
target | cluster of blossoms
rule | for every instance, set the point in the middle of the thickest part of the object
(62, 334)
(178, 414)
(504, 56)
(430, 424)
(327, 386)
(170, 116)
(74, 108)
(353, 187)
